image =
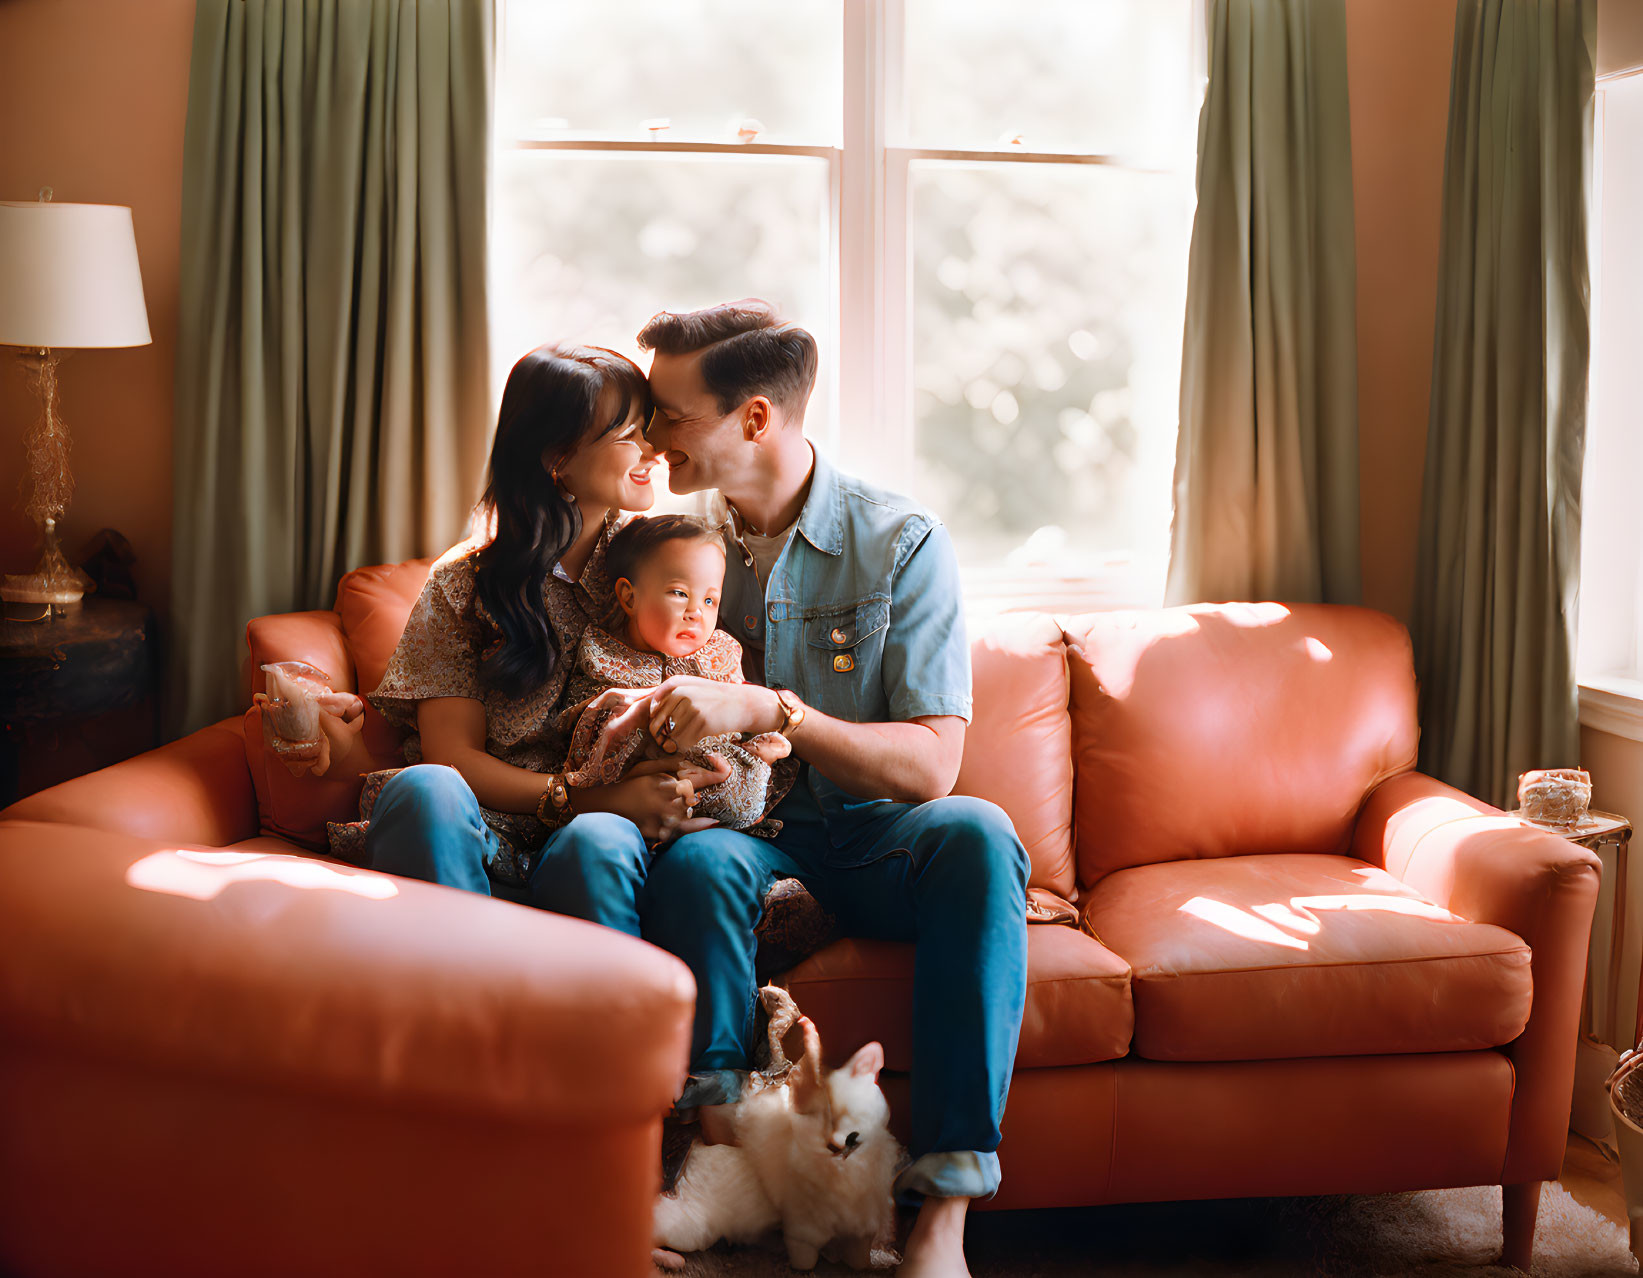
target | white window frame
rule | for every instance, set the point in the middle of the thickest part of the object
(874, 426)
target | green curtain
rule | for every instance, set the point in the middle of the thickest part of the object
(1498, 569)
(332, 401)
(1266, 464)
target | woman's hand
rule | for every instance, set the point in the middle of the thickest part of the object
(341, 719)
(658, 796)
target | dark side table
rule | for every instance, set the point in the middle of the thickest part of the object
(58, 673)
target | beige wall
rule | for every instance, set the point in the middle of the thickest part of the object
(1619, 35)
(93, 94)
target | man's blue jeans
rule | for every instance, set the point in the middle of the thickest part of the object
(950, 875)
(426, 825)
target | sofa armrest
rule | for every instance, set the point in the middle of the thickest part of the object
(308, 976)
(197, 789)
(1474, 860)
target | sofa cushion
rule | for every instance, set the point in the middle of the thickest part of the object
(1230, 729)
(1078, 999)
(1018, 750)
(1284, 955)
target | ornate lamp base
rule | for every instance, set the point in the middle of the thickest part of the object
(54, 580)
(49, 485)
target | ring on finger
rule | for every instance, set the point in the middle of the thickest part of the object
(669, 728)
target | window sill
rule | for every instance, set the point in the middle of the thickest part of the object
(1121, 583)
(1613, 704)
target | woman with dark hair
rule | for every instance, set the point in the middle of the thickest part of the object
(481, 669)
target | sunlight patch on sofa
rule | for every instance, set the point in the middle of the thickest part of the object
(1241, 923)
(1390, 904)
(1317, 649)
(203, 875)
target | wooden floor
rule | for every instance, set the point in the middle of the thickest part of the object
(1593, 1180)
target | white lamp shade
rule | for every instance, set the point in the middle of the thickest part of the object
(69, 277)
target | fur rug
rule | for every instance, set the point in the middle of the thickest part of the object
(1440, 1233)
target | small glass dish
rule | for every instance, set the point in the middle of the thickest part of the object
(290, 709)
(1555, 796)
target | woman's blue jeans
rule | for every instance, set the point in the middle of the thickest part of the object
(426, 824)
(949, 875)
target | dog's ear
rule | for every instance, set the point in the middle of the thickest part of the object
(867, 1062)
(808, 1092)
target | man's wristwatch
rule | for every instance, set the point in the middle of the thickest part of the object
(793, 710)
(555, 799)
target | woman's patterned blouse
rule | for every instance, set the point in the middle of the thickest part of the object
(448, 634)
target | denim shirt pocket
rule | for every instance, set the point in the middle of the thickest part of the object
(844, 657)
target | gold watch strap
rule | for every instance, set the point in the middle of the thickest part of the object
(793, 709)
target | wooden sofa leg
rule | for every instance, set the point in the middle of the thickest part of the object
(1519, 1206)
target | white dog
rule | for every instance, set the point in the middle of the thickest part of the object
(815, 1160)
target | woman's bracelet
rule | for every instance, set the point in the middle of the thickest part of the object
(555, 799)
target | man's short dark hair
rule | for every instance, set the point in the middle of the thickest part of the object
(747, 350)
(635, 540)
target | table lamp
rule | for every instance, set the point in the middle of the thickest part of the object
(68, 278)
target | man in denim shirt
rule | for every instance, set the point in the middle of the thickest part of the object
(847, 601)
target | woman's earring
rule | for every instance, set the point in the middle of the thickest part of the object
(568, 496)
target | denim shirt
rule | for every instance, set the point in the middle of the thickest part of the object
(863, 615)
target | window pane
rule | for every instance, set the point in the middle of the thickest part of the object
(1047, 312)
(574, 68)
(1104, 76)
(590, 246)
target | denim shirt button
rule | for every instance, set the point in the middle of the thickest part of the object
(750, 621)
(772, 612)
(839, 636)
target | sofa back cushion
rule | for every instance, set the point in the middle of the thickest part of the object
(1224, 729)
(1018, 751)
(373, 604)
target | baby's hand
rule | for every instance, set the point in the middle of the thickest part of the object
(769, 746)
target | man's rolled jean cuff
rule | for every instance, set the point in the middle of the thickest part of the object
(960, 1173)
(712, 1087)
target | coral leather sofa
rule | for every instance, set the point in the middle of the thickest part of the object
(1268, 958)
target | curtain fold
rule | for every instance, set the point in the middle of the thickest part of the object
(1498, 570)
(333, 401)
(1266, 466)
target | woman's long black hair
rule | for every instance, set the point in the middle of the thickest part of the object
(550, 408)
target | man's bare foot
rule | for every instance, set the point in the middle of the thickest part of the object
(935, 1248)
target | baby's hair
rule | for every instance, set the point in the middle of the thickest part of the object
(635, 541)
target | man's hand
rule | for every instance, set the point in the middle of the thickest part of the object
(685, 708)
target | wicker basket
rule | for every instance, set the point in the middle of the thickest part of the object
(1625, 1088)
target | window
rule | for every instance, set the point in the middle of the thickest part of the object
(1610, 659)
(982, 212)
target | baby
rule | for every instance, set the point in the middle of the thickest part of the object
(667, 573)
